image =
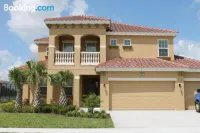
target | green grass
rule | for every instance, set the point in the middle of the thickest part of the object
(26, 120)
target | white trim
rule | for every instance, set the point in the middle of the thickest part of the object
(124, 42)
(47, 51)
(51, 46)
(191, 79)
(141, 69)
(193, 70)
(76, 77)
(77, 46)
(41, 42)
(142, 79)
(77, 22)
(142, 33)
(159, 48)
(116, 42)
(102, 46)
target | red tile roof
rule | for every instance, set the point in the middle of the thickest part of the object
(121, 27)
(42, 39)
(191, 63)
(24, 66)
(140, 63)
(79, 17)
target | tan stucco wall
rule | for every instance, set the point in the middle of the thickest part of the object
(42, 52)
(142, 46)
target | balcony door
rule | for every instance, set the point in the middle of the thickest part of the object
(68, 47)
(91, 47)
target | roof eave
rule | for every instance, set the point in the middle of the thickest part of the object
(141, 69)
(143, 33)
(76, 22)
(41, 42)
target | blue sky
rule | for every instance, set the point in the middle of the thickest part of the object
(19, 29)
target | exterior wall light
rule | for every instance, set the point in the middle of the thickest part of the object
(142, 74)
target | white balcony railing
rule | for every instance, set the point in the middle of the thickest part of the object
(64, 58)
(90, 58)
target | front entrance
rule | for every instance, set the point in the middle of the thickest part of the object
(91, 84)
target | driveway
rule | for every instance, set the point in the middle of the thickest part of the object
(155, 119)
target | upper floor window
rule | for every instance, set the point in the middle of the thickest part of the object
(127, 42)
(113, 42)
(47, 51)
(68, 47)
(91, 46)
(163, 48)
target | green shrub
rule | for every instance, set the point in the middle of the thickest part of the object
(55, 109)
(46, 109)
(97, 115)
(8, 107)
(69, 114)
(88, 115)
(27, 109)
(105, 115)
(91, 101)
(37, 109)
(71, 107)
(62, 110)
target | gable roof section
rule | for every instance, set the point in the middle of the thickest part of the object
(122, 27)
(140, 64)
(79, 19)
(24, 66)
(191, 63)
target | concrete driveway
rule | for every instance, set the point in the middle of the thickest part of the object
(155, 119)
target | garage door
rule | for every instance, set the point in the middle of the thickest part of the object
(141, 95)
(190, 91)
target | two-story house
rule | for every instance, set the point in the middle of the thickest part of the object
(129, 66)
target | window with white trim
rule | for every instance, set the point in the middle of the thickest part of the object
(127, 42)
(163, 48)
(47, 51)
(113, 42)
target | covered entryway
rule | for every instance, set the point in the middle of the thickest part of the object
(149, 95)
(190, 90)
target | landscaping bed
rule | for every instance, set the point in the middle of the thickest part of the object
(51, 116)
(35, 120)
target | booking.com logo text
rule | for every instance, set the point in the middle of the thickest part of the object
(29, 8)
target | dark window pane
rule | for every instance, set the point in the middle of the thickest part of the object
(43, 90)
(68, 91)
(163, 52)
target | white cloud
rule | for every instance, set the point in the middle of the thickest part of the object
(9, 61)
(78, 7)
(33, 48)
(187, 48)
(30, 25)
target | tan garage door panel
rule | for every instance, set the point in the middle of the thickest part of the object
(141, 95)
(190, 91)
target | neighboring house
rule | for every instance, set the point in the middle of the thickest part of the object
(129, 66)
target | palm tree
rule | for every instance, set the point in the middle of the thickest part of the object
(17, 77)
(61, 80)
(36, 74)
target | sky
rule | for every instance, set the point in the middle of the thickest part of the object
(19, 29)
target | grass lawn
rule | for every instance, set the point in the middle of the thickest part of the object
(26, 120)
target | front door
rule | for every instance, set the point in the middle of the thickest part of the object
(91, 85)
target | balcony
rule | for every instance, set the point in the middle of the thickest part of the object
(90, 58)
(67, 54)
(67, 58)
(64, 58)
